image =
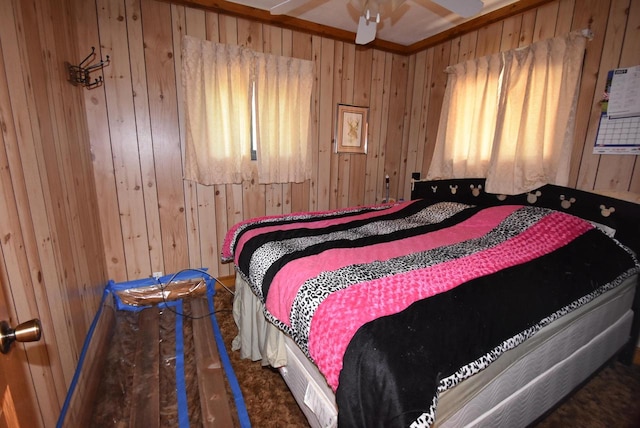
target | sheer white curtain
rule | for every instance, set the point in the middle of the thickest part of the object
(216, 80)
(283, 95)
(468, 120)
(218, 84)
(510, 117)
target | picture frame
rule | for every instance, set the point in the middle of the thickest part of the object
(351, 129)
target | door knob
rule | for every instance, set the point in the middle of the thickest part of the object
(29, 331)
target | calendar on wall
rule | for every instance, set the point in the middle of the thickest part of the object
(619, 127)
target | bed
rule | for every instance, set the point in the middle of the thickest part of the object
(456, 308)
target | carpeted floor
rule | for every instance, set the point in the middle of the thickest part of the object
(610, 399)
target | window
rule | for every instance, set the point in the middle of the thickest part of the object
(223, 85)
(254, 124)
(509, 117)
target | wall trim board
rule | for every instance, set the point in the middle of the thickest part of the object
(283, 21)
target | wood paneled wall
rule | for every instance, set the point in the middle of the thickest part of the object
(52, 264)
(616, 43)
(92, 182)
(154, 221)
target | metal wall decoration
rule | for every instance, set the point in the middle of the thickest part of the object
(81, 74)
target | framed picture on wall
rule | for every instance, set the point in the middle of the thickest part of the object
(351, 129)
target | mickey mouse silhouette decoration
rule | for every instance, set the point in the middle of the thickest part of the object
(566, 203)
(532, 197)
(606, 212)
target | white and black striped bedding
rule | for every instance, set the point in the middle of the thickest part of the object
(395, 303)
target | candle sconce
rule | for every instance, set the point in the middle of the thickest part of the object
(81, 74)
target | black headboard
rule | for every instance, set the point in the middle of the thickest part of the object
(621, 216)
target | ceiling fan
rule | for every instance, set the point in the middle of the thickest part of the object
(371, 9)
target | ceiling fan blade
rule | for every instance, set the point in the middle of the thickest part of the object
(366, 31)
(286, 6)
(464, 8)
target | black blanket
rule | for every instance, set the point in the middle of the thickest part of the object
(453, 335)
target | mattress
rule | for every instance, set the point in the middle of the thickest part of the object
(542, 369)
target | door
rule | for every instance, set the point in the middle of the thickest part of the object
(17, 408)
